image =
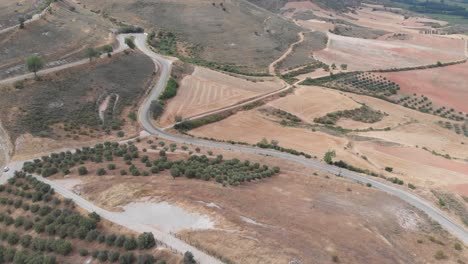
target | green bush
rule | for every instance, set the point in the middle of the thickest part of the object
(171, 90)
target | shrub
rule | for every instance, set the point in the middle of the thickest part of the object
(101, 172)
(458, 246)
(145, 259)
(82, 170)
(146, 241)
(130, 43)
(111, 166)
(389, 169)
(84, 252)
(127, 258)
(130, 244)
(439, 255)
(102, 256)
(114, 256)
(188, 258)
(171, 90)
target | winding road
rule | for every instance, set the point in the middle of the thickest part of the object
(164, 65)
(145, 120)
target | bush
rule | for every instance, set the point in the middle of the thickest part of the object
(171, 90)
(111, 166)
(389, 169)
(102, 256)
(84, 252)
(188, 258)
(127, 258)
(146, 259)
(82, 170)
(114, 256)
(130, 244)
(156, 108)
(439, 255)
(130, 43)
(101, 172)
(146, 241)
(130, 29)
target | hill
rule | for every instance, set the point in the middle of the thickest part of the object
(230, 32)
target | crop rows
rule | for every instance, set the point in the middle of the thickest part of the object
(36, 226)
(368, 83)
(232, 172)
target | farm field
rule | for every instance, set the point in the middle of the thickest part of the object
(246, 36)
(61, 232)
(311, 102)
(206, 90)
(61, 109)
(64, 36)
(444, 86)
(250, 229)
(382, 143)
(360, 54)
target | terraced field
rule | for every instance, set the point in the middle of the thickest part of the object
(207, 90)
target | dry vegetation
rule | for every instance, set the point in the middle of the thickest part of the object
(205, 90)
(250, 228)
(246, 36)
(64, 34)
(11, 11)
(38, 226)
(64, 106)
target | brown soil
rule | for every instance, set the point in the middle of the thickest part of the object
(322, 216)
(206, 90)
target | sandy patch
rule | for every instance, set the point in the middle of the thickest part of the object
(164, 216)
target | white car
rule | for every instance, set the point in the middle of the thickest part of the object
(6, 169)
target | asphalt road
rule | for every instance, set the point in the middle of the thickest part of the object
(164, 67)
(146, 121)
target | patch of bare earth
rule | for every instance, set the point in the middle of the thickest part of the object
(320, 217)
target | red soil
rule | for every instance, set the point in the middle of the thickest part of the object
(445, 86)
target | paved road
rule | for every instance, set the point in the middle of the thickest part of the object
(164, 67)
(146, 121)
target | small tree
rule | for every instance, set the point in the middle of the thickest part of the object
(82, 170)
(91, 53)
(328, 157)
(344, 67)
(188, 258)
(34, 64)
(146, 241)
(21, 21)
(108, 49)
(130, 43)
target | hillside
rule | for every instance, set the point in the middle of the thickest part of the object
(229, 32)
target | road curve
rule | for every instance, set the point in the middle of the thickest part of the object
(146, 122)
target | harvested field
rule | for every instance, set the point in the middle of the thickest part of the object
(64, 105)
(64, 35)
(250, 229)
(252, 126)
(11, 11)
(445, 86)
(373, 16)
(206, 90)
(303, 53)
(309, 102)
(362, 54)
(246, 35)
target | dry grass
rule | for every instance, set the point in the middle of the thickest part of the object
(324, 215)
(63, 36)
(242, 34)
(206, 90)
